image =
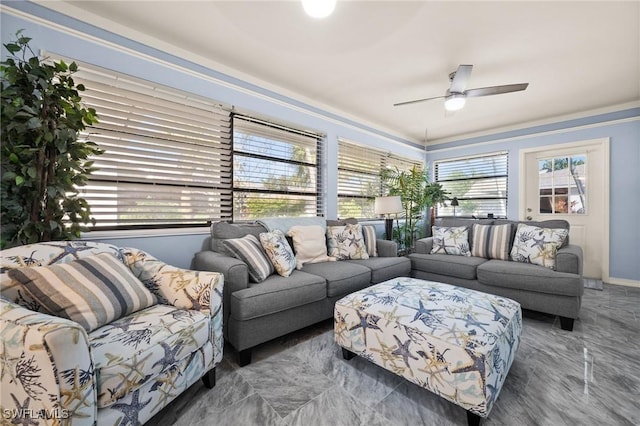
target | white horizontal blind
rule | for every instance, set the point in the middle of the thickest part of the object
(167, 159)
(276, 170)
(479, 183)
(359, 169)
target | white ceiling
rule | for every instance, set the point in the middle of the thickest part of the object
(368, 55)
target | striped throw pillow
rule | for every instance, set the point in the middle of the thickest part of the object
(491, 241)
(92, 291)
(369, 233)
(249, 250)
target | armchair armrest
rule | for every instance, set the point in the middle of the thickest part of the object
(46, 368)
(387, 248)
(569, 259)
(182, 288)
(424, 245)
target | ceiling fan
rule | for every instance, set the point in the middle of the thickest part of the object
(456, 95)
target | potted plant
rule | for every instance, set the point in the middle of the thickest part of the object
(43, 161)
(416, 194)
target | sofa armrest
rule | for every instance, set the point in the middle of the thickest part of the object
(47, 368)
(424, 245)
(387, 248)
(569, 259)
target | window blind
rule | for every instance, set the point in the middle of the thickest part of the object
(359, 168)
(276, 170)
(167, 159)
(479, 183)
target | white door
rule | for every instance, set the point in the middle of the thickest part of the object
(571, 182)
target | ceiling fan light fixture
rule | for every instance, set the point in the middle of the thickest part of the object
(455, 102)
(319, 8)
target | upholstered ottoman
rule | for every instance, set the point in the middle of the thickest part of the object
(456, 342)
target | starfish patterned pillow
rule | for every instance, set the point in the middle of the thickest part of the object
(346, 242)
(451, 240)
(537, 245)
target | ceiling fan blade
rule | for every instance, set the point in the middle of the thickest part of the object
(496, 90)
(461, 79)
(417, 100)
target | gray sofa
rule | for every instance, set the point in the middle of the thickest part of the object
(258, 312)
(557, 292)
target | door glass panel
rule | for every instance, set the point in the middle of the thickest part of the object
(562, 185)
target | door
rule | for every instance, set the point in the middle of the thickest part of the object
(571, 182)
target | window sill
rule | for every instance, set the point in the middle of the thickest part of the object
(144, 233)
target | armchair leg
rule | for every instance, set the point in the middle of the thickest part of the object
(244, 357)
(566, 323)
(209, 379)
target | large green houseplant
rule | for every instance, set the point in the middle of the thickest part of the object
(416, 194)
(43, 161)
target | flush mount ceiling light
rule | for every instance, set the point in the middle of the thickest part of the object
(455, 102)
(319, 8)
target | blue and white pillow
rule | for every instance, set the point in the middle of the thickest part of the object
(279, 251)
(537, 245)
(451, 240)
(249, 250)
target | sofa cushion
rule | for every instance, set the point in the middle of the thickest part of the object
(385, 268)
(551, 223)
(221, 231)
(346, 242)
(250, 251)
(451, 240)
(279, 251)
(92, 291)
(310, 244)
(457, 221)
(370, 240)
(342, 277)
(443, 264)
(277, 294)
(537, 245)
(523, 276)
(491, 241)
(135, 349)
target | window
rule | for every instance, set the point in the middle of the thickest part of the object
(479, 183)
(359, 183)
(562, 185)
(167, 155)
(276, 170)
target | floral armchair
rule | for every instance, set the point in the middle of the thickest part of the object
(120, 373)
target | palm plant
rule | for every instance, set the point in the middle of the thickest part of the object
(416, 194)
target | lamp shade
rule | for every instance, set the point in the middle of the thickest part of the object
(387, 205)
(454, 202)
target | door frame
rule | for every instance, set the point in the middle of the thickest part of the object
(603, 143)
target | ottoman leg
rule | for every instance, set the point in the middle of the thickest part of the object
(347, 354)
(473, 419)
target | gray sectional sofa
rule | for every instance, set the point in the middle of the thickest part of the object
(258, 312)
(557, 292)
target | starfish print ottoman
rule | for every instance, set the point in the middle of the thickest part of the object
(456, 342)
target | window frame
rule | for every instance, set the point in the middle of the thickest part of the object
(384, 160)
(499, 179)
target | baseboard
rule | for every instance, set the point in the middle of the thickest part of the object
(622, 281)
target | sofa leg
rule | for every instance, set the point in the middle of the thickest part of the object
(244, 357)
(347, 354)
(473, 419)
(209, 379)
(566, 323)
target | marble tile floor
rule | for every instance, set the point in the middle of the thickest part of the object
(590, 376)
